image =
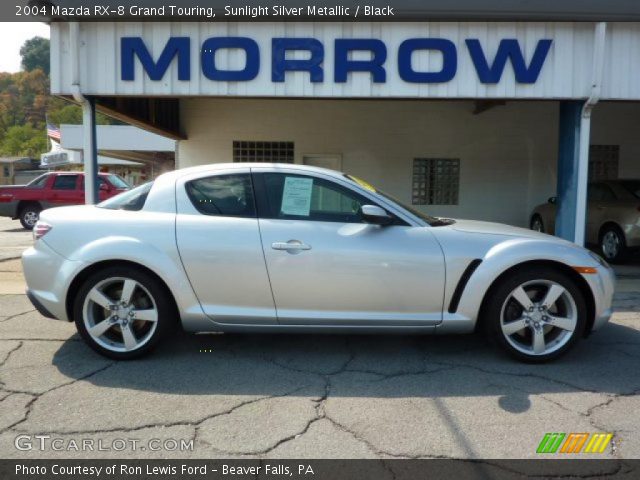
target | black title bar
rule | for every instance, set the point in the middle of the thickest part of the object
(319, 10)
(274, 469)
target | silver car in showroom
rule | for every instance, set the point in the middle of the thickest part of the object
(290, 248)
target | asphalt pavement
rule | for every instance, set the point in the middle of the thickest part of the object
(223, 396)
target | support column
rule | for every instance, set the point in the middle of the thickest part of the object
(573, 167)
(90, 152)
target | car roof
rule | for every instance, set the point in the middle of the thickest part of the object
(213, 167)
(74, 173)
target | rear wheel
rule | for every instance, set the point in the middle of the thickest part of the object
(537, 224)
(613, 244)
(536, 314)
(29, 215)
(122, 312)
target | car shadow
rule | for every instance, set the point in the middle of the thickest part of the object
(373, 366)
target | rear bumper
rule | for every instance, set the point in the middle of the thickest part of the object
(48, 275)
(38, 306)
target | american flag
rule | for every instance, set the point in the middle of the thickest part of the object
(53, 131)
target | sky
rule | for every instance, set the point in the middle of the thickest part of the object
(12, 36)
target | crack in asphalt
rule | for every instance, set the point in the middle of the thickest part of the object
(29, 406)
(11, 317)
(186, 423)
(9, 353)
(70, 339)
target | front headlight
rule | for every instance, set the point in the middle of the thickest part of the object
(599, 259)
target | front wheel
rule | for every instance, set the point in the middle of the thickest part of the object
(122, 312)
(536, 315)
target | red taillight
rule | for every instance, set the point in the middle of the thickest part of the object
(40, 230)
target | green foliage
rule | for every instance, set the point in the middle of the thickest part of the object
(68, 113)
(35, 54)
(25, 104)
(23, 140)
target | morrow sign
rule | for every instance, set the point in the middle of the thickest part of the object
(489, 69)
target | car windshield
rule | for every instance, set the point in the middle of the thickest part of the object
(632, 186)
(131, 200)
(118, 182)
(433, 221)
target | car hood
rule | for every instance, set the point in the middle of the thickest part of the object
(491, 228)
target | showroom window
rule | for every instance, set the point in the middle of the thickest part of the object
(270, 152)
(603, 162)
(223, 195)
(436, 181)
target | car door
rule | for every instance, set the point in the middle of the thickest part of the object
(219, 243)
(64, 190)
(328, 267)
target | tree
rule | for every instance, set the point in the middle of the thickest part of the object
(35, 54)
(24, 140)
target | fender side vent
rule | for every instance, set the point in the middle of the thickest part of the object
(464, 278)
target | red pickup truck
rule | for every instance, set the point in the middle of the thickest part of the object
(53, 189)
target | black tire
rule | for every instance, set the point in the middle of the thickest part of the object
(499, 296)
(536, 219)
(29, 215)
(609, 235)
(151, 286)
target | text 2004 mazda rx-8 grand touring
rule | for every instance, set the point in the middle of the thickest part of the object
(290, 248)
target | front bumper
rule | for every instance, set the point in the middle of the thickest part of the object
(48, 275)
(602, 285)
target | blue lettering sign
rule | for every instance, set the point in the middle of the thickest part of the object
(280, 64)
(508, 49)
(449, 60)
(344, 65)
(176, 46)
(208, 59)
(488, 71)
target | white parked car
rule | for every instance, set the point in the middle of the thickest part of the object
(289, 248)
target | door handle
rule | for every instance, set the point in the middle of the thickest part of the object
(291, 246)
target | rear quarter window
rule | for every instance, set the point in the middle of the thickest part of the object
(133, 200)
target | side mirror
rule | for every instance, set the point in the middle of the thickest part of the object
(104, 187)
(552, 200)
(376, 215)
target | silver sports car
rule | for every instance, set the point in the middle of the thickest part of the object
(289, 248)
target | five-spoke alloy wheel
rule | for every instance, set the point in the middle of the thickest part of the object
(122, 312)
(536, 314)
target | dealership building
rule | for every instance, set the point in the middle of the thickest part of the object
(464, 117)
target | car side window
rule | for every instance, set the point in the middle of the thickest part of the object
(223, 195)
(301, 197)
(65, 182)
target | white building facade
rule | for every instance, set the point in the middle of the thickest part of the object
(461, 119)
